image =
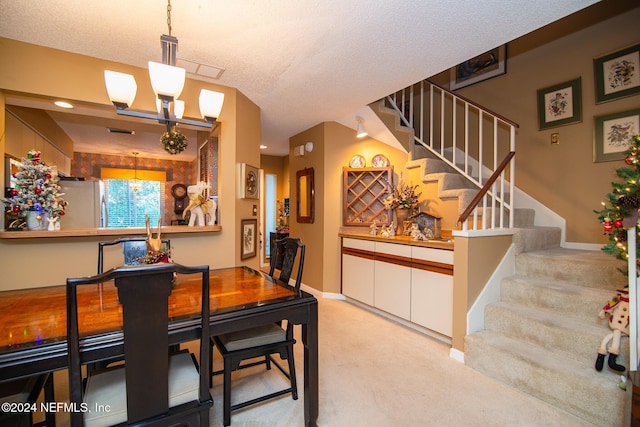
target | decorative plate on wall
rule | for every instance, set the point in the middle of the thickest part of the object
(357, 161)
(250, 188)
(379, 161)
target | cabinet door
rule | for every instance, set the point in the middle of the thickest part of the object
(357, 278)
(432, 300)
(393, 289)
(392, 281)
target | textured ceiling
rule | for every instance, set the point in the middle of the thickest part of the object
(301, 61)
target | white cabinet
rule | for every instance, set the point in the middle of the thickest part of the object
(432, 300)
(411, 282)
(357, 270)
(392, 279)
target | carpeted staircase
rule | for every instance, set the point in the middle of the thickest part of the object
(542, 336)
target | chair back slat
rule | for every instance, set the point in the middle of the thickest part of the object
(145, 318)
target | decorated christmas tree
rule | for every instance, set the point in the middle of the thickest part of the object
(620, 212)
(36, 190)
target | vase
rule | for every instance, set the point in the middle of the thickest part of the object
(37, 221)
(401, 217)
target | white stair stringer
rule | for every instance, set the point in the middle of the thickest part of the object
(405, 135)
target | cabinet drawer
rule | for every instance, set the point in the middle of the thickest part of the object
(430, 254)
(365, 245)
(393, 249)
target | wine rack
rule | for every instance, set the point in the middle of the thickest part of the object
(364, 192)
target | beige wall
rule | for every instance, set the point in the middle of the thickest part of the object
(564, 176)
(37, 70)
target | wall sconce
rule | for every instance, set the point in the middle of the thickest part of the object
(360, 131)
(299, 150)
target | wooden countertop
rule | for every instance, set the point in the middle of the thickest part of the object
(84, 232)
(446, 244)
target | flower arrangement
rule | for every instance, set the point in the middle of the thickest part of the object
(36, 189)
(174, 142)
(402, 196)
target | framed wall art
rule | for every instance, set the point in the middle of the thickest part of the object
(249, 182)
(617, 74)
(248, 238)
(482, 67)
(560, 104)
(613, 134)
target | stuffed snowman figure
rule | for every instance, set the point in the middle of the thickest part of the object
(618, 311)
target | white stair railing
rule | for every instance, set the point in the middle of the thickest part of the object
(471, 139)
(633, 299)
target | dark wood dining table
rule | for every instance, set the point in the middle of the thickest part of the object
(33, 322)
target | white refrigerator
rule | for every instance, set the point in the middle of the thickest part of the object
(86, 204)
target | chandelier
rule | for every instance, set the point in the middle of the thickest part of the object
(167, 81)
(134, 183)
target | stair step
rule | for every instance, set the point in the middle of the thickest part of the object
(549, 330)
(573, 300)
(587, 268)
(551, 376)
(531, 239)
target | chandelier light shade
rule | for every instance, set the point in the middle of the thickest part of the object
(210, 104)
(121, 88)
(167, 82)
(360, 131)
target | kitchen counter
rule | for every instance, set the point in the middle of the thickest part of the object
(84, 232)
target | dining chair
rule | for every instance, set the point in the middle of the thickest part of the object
(24, 393)
(151, 387)
(262, 341)
(133, 250)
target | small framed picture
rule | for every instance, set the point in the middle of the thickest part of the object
(248, 238)
(560, 104)
(613, 134)
(250, 182)
(617, 74)
(482, 67)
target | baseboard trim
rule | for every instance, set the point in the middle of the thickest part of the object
(456, 355)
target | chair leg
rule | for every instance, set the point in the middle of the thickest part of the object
(292, 373)
(226, 411)
(267, 361)
(211, 363)
(50, 417)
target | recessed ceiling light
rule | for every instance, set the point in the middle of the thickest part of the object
(63, 104)
(262, 146)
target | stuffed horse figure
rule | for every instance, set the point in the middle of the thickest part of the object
(200, 206)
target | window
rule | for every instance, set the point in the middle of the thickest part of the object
(128, 208)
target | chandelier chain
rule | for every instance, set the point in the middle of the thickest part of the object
(169, 15)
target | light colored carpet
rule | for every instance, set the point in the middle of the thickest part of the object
(374, 372)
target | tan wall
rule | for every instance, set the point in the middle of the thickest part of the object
(564, 176)
(37, 70)
(474, 259)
